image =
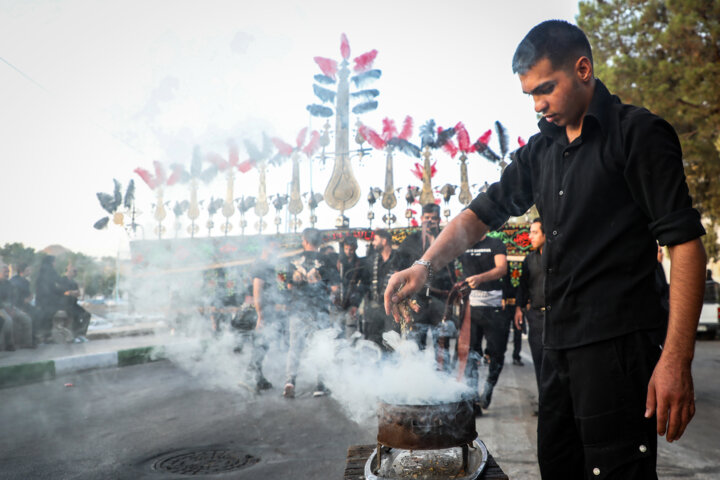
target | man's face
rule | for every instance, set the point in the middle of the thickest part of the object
(349, 250)
(431, 221)
(378, 243)
(556, 93)
(537, 237)
(71, 272)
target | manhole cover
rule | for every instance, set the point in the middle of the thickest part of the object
(204, 462)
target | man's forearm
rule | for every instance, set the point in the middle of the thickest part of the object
(460, 234)
(687, 283)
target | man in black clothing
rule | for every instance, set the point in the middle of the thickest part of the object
(354, 278)
(79, 317)
(608, 181)
(381, 264)
(484, 264)
(310, 282)
(531, 295)
(432, 299)
(17, 324)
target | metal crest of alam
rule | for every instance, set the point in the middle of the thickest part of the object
(342, 90)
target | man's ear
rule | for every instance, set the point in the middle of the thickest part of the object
(584, 69)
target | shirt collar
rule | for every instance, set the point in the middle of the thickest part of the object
(599, 110)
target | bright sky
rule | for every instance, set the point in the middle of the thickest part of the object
(92, 90)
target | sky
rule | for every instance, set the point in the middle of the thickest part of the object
(92, 90)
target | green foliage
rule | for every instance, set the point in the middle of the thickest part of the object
(14, 253)
(665, 55)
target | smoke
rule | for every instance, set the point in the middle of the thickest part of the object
(201, 305)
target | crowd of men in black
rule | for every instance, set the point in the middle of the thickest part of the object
(50, 315)
(320, 287)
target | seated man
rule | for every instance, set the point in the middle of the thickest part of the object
(79, 317)
(17, 325)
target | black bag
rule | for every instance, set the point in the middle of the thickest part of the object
(245, 318)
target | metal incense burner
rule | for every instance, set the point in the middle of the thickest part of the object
(433, 441)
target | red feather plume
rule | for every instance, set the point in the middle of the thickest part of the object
(328, 66)
(284, 149)
(175, 176)
(364, 62)
(521, 141)
(234, 155)
(414, 223)
(217, 160)
(245, 166)
(485, 137)
(433, 170)
(372, 137)
(300, 140)
(389, 131)
(463, 138)
(450, 148)
(147, 177)
(312, 144)
(159, 173)
(417, 171)
(407, 128)
(344, 46)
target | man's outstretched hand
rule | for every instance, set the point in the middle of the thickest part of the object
(671, 397)
(402, 285)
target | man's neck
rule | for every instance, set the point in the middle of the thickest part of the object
(386, 253)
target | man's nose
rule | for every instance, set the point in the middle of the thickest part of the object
(540, 104)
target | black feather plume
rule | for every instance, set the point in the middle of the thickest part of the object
(364, 107)
(117, 195)
(102, 223)
(324, 94)
(324, 79)
(405, 147)
(319, 111)
(130, 194)
(106, 202)
(427, 133)
(488, 153)
(502, 138)
(364, 78)
(366, 94)
(443, 137)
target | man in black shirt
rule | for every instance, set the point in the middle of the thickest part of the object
(353, 274)
(531, 295)
(381, 264)
(310, 282)
(608, 181)
(431, 300)
(484, 265)
(79, 317)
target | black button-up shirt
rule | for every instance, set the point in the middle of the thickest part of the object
(604, 200)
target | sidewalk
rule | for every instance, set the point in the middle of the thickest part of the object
(110, 347)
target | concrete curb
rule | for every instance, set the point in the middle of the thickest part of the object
(21, 374)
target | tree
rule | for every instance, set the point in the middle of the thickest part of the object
(14, 253)
(665, 55)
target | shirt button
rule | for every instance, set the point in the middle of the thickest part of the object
(561, 193)
(643, 448)
(549, 270)
(566, 154)
(548, 308)
(554, 232)
(596, 471)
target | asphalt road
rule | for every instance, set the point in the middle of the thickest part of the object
(119, 423)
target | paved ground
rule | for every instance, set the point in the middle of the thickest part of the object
(116, 422)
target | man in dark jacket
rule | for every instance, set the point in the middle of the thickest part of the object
(354, 278)
(79, 317)
(381, 264)
(608, 181)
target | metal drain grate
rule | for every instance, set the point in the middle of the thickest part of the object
(205, 462)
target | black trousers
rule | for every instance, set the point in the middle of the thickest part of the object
(591, 420)
(535, 320)
(492, 324)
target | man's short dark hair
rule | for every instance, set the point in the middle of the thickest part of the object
(350, 240)
(431, 208)
(383, 234)
(538, 220)
(21, 267)
(557, 40)
(312, 236)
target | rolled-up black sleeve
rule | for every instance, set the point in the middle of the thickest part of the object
(655, 176)
(510, 196)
